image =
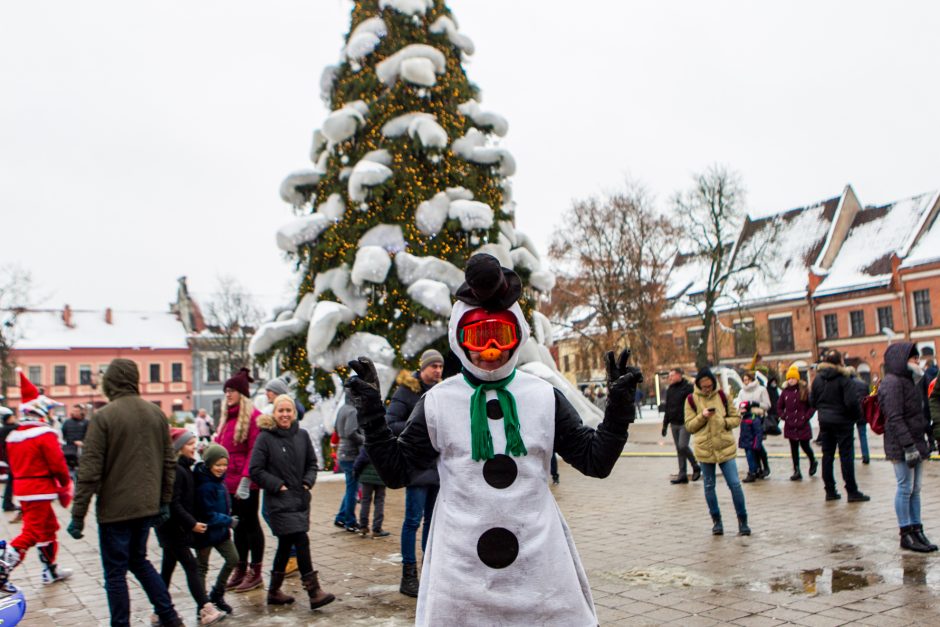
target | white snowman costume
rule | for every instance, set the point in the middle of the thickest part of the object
(499, 551)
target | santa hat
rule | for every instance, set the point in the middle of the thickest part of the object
(28, 391)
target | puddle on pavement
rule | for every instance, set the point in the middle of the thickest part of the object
(678, 577)
(820, 581)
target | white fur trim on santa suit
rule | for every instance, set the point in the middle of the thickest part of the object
(21, 435)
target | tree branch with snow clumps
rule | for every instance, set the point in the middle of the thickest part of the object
(415, 63)
(445, 25)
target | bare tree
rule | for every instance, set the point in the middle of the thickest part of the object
(232, 317)
(613, 255)
(16, 286)
(712, 213)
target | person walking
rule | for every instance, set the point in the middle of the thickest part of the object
(794, 409)
(73, 434)
(861, 425)
(836, 403)
(237, 433)
(8, 417)
(674, 419)
(176, 534)
(711, 420)
(905, 440)
(128, 461)
(753, 403)
(373, 491)
(204, 426)
(214, 506)
(350, 441)
(284, 465)
(423, 485)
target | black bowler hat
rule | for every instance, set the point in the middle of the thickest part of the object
(489, 285)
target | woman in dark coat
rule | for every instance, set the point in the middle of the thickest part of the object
(794, 409)
(905, 440)
(284, 465)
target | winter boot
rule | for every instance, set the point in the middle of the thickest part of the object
(918, 532)
(238, 576)
(750, 478)
(764, 463)
(797, 475)
(252, 579)
(743, 529)
(51, 573)
(409, 580)
(318, 597)
(209, 615)
(717, 529)
(217, 597)
(275, 596)
(813, 467)
(910, 542)
(291, 569)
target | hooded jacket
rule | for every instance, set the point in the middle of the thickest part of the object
(833, 396)
(128, 459)
(178, 530)
(409, 391)
(713, 440)
(213, 507)
(285, 458)
(795, 412)
(900, 402)
(350, 438)
(674, 407)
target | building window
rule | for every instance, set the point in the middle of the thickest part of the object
(922, 316)
(176, 372)
(59, 376)
(217, 409)
(885, 318)
(745, 342)
(34, 374)
(158, 404)
(212, 370)
(695, 338)
(577, 362)
(567, 363)
(857, 322)
(84, 374)
(155, 373)
(781, 335)
(831, 325)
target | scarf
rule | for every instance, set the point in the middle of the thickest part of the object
(480, 439)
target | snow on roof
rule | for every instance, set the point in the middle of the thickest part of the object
(864, 260)
(45, 330)
(927, 248)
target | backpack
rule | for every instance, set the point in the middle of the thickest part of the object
(871, 408)
(721, 395)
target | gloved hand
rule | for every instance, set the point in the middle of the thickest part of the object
(664, 430)
(164, 515)
(235, 521)
(363, 392)
(911, 456)
(758, 411)
(76, 528)
(622, 381)
(243, 491)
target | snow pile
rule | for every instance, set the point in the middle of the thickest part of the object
(445, 25)
(408, 7)
(472, 147)
(358, 344)
(372, 264)
(927, 248)
(472, 214)
(301, 178)
(431, 294)
(343, 123)
(304, 309)
(500, 252)
(366, 174)
(327, 316)
(416, 63)
(271, 333)
(484, 119)
(337, 281)
(327, 81)
(386, 236)
(523, 258)
(317, 148)
(379, 156)
(365, 38)
(421, 126)
(411, 269)
(308, 228)
(431, 215)
(419, 336)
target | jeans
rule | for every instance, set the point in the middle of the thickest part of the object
(419, 503)
(863, 439)
(229, 553)
(681, 438)
(729, 470)
(124, 548)
(289, 542)
(372, 492)
(753, 465)
(347, 509)
(183, 555)
(839, 436)
(248, 535)
(907, 498)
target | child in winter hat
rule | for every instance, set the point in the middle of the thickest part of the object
(180, 437)
(793, 372)
(214, 506)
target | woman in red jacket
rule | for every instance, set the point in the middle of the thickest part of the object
(237, 432)
(794, 409)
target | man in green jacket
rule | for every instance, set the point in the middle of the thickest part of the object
(129, 462)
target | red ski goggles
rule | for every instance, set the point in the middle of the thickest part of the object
(489, 333)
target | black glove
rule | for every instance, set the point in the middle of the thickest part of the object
(363, 392)
(664, 430)
(622, 381)
(911, 456)
(75, 528)
(160, 519)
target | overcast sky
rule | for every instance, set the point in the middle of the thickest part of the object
(144, 140)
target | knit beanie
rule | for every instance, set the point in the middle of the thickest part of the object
(214, 453)
(429, 358)
(240, 382)
(278, 386)
(180, 437)
(793, 372)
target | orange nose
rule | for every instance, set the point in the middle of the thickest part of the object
(490, 354)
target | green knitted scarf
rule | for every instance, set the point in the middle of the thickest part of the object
(480, 439)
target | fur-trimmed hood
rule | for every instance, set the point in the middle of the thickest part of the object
(830, 371)
(266, 422)
(410, 380)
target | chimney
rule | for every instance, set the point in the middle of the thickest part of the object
(67, 316)
(108, 318)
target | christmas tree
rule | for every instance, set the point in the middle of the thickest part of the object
(409, 181)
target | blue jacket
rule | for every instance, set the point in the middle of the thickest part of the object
(213, 507)
(752, 432)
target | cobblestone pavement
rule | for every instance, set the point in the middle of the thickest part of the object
(646, 545)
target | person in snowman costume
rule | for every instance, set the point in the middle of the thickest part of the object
(500, 552)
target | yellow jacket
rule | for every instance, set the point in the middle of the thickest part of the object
(713, 438)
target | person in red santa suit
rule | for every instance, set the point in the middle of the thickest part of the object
(42, 476)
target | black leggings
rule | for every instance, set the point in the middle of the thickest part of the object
(285, 543)
(249, 538)
(795, 446)
(184, 556)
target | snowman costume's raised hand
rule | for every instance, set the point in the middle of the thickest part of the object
(499, 552)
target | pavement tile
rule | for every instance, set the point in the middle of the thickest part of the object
(665, 615)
